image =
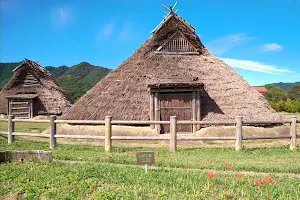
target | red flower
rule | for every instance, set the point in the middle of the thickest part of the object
(21, 159)
(238, 175)
(94, 187)
(210, 175)
(230, 196)
(228, 165)
(268, 179)
(257, 183)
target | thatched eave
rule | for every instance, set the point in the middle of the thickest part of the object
(22, 96)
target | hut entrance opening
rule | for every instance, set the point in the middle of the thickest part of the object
(21, 105)
(176, 104)
(175, 99)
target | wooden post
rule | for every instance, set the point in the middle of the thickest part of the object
(239, 130)
(107, 133)
(173, 133)
(152, 109)
(194, 112)
(11, 129)
(293, 132)
(52, 131)
(156, 113)
(198, 109)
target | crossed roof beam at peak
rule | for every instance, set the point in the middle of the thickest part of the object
(171, 7)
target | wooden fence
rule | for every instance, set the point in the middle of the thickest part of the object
(173, 138)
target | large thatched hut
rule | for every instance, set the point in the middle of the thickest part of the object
(172, 73)
(31, 91)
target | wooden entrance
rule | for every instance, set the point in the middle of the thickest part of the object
(176, 104)
(21, 105)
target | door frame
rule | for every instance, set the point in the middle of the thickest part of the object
(155, 112)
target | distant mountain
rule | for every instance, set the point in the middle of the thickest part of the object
(57, 71)
(75, 80)
(6, 72)
(285, 86)
(78, 79)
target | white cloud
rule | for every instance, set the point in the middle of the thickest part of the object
(106, 31)
(226, 43)
(255, 66)
(272, 47)
(60, 17)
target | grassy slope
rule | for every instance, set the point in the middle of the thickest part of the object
(77, 80)
(279, 159)
(98, 180)
(6, 72)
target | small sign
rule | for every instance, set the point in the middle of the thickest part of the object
(145, 158)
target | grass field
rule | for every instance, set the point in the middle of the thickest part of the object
(100, 178)
(96, 174)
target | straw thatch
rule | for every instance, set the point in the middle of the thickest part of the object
(123, 93)
(29, 81)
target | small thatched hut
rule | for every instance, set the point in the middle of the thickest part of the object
(172, 73)
(32, 91)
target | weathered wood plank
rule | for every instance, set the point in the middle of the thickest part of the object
(173, 133)
(31, 134)
(194, 112)
(293, 133)
(152, 109)
(204, 138)
(11, 129)
(80, 136)
(108, 133)
(52, 131)
(239, 135)
(140, 138)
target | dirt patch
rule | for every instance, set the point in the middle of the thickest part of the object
(67, 129)
(247, 131)
(12, 196)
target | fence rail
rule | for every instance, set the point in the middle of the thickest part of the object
(173, 138)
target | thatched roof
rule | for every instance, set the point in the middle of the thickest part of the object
(123, 93)
(43, 85)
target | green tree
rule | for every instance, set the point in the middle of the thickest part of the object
(275, 93)
(294, 92)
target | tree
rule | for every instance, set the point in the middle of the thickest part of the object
(275, 93)
(294, 92)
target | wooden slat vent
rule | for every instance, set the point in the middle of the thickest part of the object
(177, 43)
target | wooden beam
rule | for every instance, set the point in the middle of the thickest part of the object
(174, 89)
(152, 109)
(239, 135)
(156, 113)
(198, 103)
(31, 108)
(108, 133)
(194, 112)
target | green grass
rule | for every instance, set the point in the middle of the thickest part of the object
(99, 181)
(276, 159)
(25, 127)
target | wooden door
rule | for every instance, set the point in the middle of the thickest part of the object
(176, 104)
(20, 108)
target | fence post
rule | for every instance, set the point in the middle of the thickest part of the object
(293, 132)
(239, 130)
(107, 133)
(11, 129)
(52, 131)
(173, 133)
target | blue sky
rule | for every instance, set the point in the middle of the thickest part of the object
(259, 39)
